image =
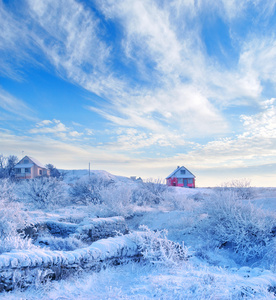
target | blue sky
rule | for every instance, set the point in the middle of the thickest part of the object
(140, 87)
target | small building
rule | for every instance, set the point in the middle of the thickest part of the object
(29, 168)
(181, 176)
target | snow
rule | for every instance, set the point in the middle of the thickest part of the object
(102, 249)
(207, 273)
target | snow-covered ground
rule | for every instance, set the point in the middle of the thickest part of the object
(213, 269)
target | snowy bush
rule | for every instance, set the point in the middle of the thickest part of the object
(178, 201)
(238, 224)
(156, 248)
(88, 191)
(156, 189)
(7, 190)
(241, 187)
(12, 219)
(117, 199)
(150, 192)
(45, 192)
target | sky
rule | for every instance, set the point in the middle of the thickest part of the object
(139, 87)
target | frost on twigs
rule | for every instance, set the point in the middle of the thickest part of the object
(238, 224)
(241, 187)
(12, 219)
(45, 192)
(156, 248)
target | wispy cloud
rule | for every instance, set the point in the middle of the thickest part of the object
(15, 106)
(183, 83)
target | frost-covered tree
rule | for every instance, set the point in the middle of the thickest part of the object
(46, 192)
(7, 165)
(54, 172)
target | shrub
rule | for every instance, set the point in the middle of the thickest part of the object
(12, 219)
(241, 187)
(117, 199)
(45, 192)
(149, 192)
(239, 224)
(156, 248)
(88, 191)
(7, 190)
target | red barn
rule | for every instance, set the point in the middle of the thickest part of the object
(181, 177)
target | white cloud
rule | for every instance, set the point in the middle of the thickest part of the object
(89, 131)
(15, 106)
(75, 133)
(133, 139)
(55, 128)
(256, 145)
(43, 123)
(41, 127)
(259, 57)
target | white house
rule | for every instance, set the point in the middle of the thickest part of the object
(29, 168)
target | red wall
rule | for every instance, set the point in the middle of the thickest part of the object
(173, 182)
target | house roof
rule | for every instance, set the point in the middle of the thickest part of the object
(35, 161)
(177, 169)
(38, 163)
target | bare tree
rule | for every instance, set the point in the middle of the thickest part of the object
(7, 165)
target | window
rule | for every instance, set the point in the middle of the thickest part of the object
(18, 171)
(190, 181)
(26, 161)
(180, 180)
(40, 172)
(27, 170)
(182, 171)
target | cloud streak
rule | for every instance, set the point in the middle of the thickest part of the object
(15, 106)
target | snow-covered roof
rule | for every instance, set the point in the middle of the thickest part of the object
(182, 176)
(38, 163)
(23, 166)
(35, 161)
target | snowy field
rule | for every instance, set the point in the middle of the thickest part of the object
(109, 237)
